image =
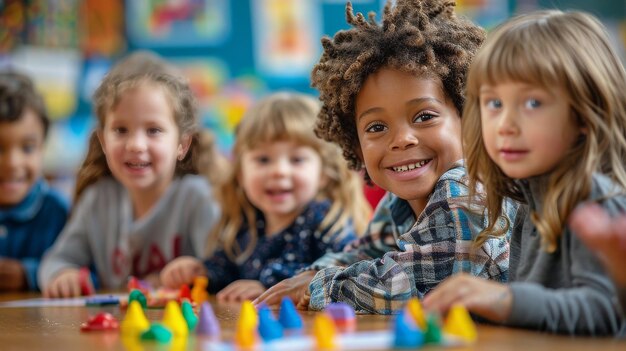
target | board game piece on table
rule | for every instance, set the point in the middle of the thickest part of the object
(100, 322)
(157, 332)
(174, 320)
(208, 324)
(84, 279)
(459, 323)
(141, 285)
(184, 293)
(135, 321)
(247, 324)
(415, 309)
(199, 292)
(138, 295)
(343, 316)
(432, 334)
(289, 317)
(406, 333)
(269, 328)
(324, 332)
(189, 315)
(102, 301)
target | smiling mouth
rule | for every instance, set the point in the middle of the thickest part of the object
(411, 166)
(278, 192)
(137, 165)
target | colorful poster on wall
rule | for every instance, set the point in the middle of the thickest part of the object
(487, 13)
(286, 36)
(12, 15)
(52, 23)
(177, 23)
(102, 27)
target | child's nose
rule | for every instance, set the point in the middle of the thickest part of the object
(136, 142)
(281, 167)
(508, 122)
(404, 138)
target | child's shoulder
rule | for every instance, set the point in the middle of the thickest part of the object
(608, 194)
(55, 199)
(193, 184)
(452, 183)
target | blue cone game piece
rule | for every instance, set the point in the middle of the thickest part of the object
(288, 316)
(406, 333)
(269, 328)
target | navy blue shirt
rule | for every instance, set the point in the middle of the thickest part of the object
(280, 256)
(29, 228)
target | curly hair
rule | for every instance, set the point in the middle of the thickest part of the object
(421, 37)
(17, 94)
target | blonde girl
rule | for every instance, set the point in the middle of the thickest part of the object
(545, 123)
(289, 199)
(139, 202)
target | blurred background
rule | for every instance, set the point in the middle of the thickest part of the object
(232, 51)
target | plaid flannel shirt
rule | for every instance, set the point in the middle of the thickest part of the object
(400, 257)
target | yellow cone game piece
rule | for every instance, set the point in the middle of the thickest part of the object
(415, 309)
(174, 320)
(198, 292)
(460, 324)
(324, 332)
(246, 333)
(135, 321)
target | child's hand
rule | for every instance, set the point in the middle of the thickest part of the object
(181, 270)
(240, 290)
(485, 298)
(295, 287)
(604, 236)
(65, 284)
(12, 275)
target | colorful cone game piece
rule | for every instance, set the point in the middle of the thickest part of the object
(189, 315)
(101, 322)
(343, 316)
(288, 316)
(157, 332)
(184, 293)
(415, 309)
(135, 322)
(324, 332)
(406, 333)
(432, 335)
(246, 330)
(460, 324)
(174, 320)
(269, 328)
(137, 295)
(207, 323)
(198, 292)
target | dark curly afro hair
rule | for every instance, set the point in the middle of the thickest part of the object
(421, 37)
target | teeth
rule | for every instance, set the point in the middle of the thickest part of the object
(138, 165)
(409, 166)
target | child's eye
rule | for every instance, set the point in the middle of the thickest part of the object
(493, 103)
(120, 130)
(29, 148)
(375, 127)
(298, 159)
(423, 117)
(152, 131)
(262, 159)
(532, 104)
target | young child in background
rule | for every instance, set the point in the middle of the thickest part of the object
(545, 123)
(139, 203)
(392, 98)
(290, 199)
(31, 214)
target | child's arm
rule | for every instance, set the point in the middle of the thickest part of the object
(240, 290)
(12, 275)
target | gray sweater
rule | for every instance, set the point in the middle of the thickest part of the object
(566, 291)
(103, 234)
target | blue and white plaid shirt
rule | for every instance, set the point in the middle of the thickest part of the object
(400, 257)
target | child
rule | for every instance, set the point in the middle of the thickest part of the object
(392, 99)
(139, 204)
(296, 191)
(607, 238)
(545, 122)
(31, 214)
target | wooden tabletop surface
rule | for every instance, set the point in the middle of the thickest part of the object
(58, 328)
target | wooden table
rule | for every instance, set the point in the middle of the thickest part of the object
(58, 328)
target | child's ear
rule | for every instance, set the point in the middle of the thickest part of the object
(183, 147)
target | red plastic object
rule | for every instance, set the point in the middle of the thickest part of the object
(83, 279)
(101, 322)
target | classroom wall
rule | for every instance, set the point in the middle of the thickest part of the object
(232, 51)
